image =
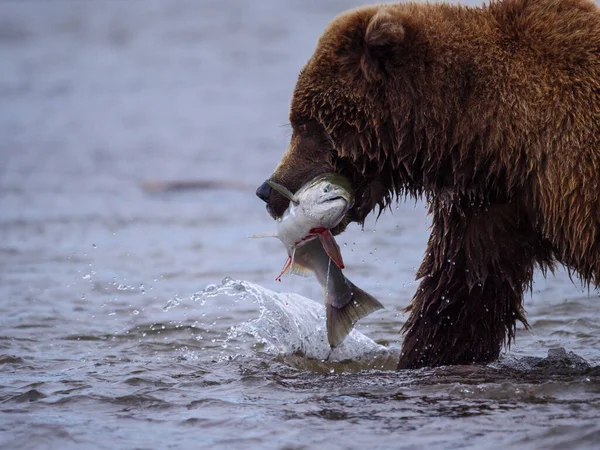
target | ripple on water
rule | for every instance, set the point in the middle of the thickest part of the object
(271, 372)
(91, 359)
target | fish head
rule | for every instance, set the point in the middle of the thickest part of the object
(326, 199)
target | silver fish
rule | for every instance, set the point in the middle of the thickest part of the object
(314, 210)
(305, 230)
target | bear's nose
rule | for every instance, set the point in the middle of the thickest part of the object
(264, 192)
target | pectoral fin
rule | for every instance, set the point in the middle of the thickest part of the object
(286, 267)
(263, 235)
(331, 247)
(283, 191)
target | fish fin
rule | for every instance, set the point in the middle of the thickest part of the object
(341, 320)
(286, 267)
(292, 267)
(283, 191)
(300, 270)
(331, 247)
(263, 235)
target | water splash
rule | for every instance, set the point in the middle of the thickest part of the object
(227, 287)
(288, 325)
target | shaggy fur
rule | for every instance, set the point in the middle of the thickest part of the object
(493, 116)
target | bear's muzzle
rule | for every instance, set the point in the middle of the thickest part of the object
(264, 192)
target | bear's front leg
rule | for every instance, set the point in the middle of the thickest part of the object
(479, 261)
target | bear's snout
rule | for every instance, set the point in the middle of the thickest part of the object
(276, 203)
(264, 192)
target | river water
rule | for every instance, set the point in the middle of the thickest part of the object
(134, 317)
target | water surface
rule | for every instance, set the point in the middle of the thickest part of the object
(136, 319)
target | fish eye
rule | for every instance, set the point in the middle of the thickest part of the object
(327, 188)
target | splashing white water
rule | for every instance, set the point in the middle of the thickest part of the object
(289, 324)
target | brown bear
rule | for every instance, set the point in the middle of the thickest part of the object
(490, 114)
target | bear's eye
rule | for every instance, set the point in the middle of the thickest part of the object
(302, 128)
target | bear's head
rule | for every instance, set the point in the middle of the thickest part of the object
(350, 115)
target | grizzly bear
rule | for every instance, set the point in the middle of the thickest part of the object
(492, 115)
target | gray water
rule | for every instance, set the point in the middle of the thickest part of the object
(146, 319)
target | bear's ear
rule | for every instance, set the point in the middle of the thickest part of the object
(383, 34)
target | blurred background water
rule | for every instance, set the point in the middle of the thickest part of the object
(137, 319)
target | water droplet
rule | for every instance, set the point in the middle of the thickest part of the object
(94, 245)
(211, 288)
(135, 312)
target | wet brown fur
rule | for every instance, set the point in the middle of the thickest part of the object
(493, 116)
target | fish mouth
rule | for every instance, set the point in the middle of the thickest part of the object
(331, 199)
(336, 198)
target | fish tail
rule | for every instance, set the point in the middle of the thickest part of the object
(341, 320)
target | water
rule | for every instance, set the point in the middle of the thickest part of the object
(136, 319)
